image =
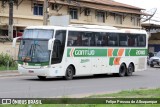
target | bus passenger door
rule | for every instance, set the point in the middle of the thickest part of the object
(59, 45)
(78, 51)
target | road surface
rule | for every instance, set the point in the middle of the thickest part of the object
(32, 87)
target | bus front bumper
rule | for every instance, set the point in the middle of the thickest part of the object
(35, 71)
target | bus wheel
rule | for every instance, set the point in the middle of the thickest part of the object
(122, 70)
(69, 73)
(42, 77)
(130, 70)
(151, 65)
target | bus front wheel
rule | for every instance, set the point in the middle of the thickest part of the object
(69, 73)
(122, 70)
(42, 77)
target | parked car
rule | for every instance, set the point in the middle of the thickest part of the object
(150, 54)
(155, 60)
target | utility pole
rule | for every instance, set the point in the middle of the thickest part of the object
(10, 25)
(45, 12)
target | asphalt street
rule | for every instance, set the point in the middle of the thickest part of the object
(32, 87)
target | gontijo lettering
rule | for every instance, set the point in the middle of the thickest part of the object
(84, 52)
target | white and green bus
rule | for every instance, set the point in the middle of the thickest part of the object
(47, 51)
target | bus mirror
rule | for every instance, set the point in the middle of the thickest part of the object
(14, 41)
(50, 44)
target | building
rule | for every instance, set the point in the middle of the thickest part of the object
(101, 12)
(154, 40)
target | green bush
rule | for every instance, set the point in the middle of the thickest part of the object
(6, 59)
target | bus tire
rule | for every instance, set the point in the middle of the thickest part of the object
(130, 70)
(69, 73)
(151, 65)
(42, 77)
(122, 70)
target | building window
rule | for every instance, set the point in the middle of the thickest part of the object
(38, 9)
(101, 17)
(74, 13)
(135, 21)
(118, 19)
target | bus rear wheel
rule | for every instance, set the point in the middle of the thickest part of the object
(42, 77)
(122, 70)
(130, 70)
(69, 73)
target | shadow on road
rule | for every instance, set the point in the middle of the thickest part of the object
(97, 76)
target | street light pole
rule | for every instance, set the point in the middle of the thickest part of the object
(45, 12)
(10, 25)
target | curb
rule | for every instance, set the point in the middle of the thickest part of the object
(9, 73)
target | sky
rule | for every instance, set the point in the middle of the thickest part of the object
(146, 4)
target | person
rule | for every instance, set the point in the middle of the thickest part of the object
(79, 40)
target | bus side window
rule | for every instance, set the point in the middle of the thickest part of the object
(92, 40)
(105, 39)
(99, 39)
(132, 40)
(79, 40)
(86, 39)
(74, 38)
(113, 39)
(123, 39)
(141, 40)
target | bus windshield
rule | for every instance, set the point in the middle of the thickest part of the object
(34, 46)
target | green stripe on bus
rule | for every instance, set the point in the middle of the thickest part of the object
(115, 52)
(83, 52)
(127, 52)
(138, 52)
(87, 52)
(68, 52)
(111, 60)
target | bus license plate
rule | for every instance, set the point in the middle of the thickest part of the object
(30, 71)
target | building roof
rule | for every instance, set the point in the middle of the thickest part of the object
(112, 3)
(104, 5)
(96, 6)
(150, 26)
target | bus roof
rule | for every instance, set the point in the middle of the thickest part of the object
(87, 27)
(74, 26)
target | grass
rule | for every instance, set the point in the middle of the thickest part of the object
(82, 105)
(149, 93)
(145, 93)
(3, 68)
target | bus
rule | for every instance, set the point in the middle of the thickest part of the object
(68, 51)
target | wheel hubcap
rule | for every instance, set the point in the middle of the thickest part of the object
(69, 72)
(130, 69)
(122, 70)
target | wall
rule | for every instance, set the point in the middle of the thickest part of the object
(154, 42)
(6, 47)
(23, 15)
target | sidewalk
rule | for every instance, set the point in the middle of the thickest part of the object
(9, 73)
